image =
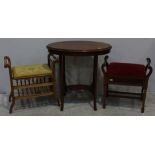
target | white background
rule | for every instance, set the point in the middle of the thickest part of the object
(77, 19)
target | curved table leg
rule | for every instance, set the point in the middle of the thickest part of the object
(95, 81)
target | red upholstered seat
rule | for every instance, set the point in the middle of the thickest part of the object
(126, 70)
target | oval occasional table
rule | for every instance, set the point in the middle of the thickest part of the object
(78, 48)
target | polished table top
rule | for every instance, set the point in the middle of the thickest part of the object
(79, 48)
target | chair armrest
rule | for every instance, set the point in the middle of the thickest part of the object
(7, 62)
(52, 60)
(148, 68)
(53, 63)
(105, 65)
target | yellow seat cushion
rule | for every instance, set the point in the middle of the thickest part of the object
(31, 71)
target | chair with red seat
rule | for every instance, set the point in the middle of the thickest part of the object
(129, 75)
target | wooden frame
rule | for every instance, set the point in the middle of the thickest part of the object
(127, 81)
(29, 87)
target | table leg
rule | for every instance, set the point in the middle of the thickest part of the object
(61, 83)
(95, 81)
(64, 75)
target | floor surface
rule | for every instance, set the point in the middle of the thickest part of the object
(77, 104)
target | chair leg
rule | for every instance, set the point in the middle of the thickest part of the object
(105, 95)
(144, 91)
(12, 105)
(104, 102)
(143, 101)
(10, 96)
(58, 101)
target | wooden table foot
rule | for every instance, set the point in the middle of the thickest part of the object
(95, 81)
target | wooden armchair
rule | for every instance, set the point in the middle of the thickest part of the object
(129, 75)
(31, 81)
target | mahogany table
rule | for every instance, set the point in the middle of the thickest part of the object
(78, 48)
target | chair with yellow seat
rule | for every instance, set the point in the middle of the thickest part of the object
(31, 80)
